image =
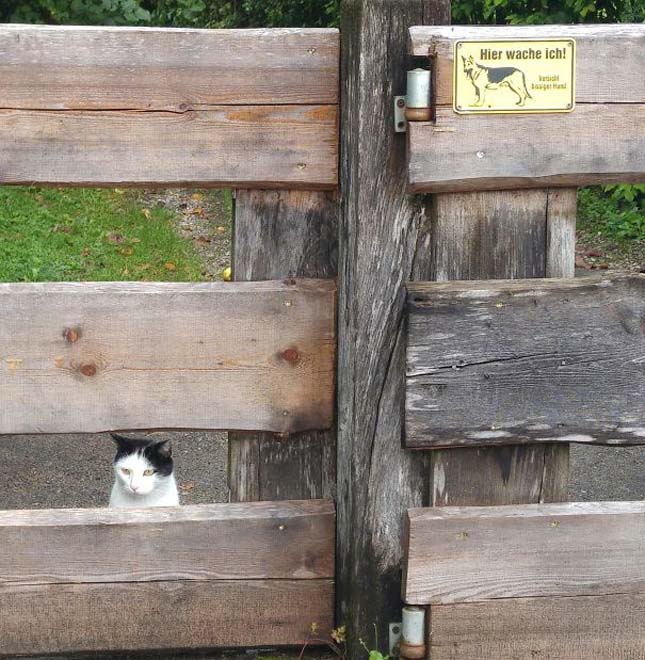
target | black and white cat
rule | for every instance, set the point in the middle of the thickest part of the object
(143, 473)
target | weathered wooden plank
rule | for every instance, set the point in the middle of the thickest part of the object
(526, 361)
(474, 554)
(490, 235)
(235, 146)
(611, 627)
(384, 240)
(76, 618)
(608, 53)
(600, 143)
(268, 540)
(105, 356)
(116, 68)
(283, 234)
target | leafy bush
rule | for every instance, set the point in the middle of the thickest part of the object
(617, 212)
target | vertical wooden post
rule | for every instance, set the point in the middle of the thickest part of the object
(383, 241)
(283, 234)
(494, 235)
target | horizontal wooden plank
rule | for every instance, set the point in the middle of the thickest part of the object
(610, 627)
(76, 618)
(475, 554)
(601, 143)
(514, 361)
(268, 540)
(238, 146)
(88, 357)
(608, 53)
(117, 68)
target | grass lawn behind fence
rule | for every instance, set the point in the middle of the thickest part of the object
(81, 234)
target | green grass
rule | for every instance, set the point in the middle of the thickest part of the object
(79, 234)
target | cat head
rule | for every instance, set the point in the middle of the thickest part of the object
(140, 463)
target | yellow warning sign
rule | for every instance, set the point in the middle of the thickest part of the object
(514, 76)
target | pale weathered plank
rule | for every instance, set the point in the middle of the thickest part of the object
(600, 143)
(609, 57)
(473, 554)
(611, 627)
(283, 234)
(117, 68)
(87, 357)
(113, 617)
(526, 361)
(239, 146)
(262, 540)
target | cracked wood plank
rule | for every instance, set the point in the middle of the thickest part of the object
(479, 554)
(130, 68)
(108, 356)
(526, 361)
(280, 146)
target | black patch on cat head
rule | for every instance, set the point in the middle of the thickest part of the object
(158, 453)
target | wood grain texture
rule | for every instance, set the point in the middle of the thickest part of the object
(610, 627)
(233, 146)
(608, 53)
(268, 540)
(163, 355)
(283, 234)
(164, 616)
(116, 68)
(490, 235)
(506, 362)
(475, 554)
(384, 240)
(601, 143)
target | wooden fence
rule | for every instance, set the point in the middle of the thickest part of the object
(242, 108)
(258, 110)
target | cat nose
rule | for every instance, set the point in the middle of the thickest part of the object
(134, 488)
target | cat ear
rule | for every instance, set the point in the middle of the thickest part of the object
(120, 440)
(164, 448)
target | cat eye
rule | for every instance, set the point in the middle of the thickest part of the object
(148, 473)
(125, 471)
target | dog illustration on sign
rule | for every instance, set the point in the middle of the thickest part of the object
(495, 77)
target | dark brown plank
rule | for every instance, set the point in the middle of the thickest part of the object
(475, 554)
(262, 540)
(283, 234)
(384, 240)
(232, 146)
(76, 618)
(610, 627)
(597, 143)
(604, 52)
(115, 68)
(208, 355)
(505, 362)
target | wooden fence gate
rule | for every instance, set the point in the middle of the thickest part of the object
(248, 109)
(528, 362)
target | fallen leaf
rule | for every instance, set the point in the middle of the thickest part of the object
(135, 240)
(202, 240)
(581, 263)
(115, 237)
(220, 230)
(197, 197)
(226, 274)
(146, 212)
(187, 486)
(126, 252)
(198, 210)
(592, 253)
(603, 266)
(169, 265)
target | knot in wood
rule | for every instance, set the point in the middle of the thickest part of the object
(71, 335)
(291, 355)
(88, 369)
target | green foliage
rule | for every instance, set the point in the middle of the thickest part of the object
(617, 212)
(88, 234)
(77, 12)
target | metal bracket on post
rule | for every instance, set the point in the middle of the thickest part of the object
(400, 122)
(394, 639)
